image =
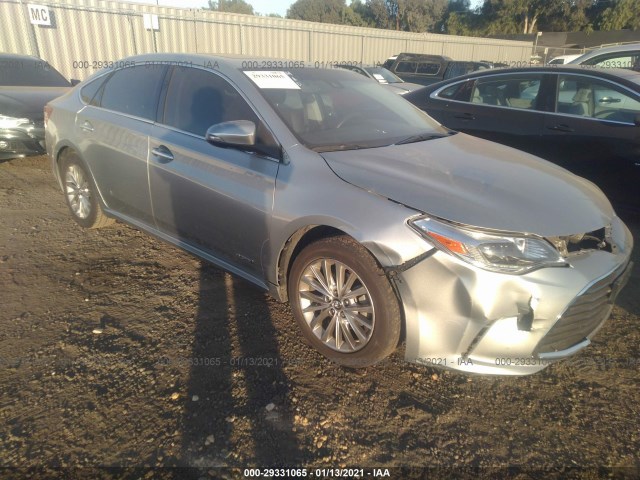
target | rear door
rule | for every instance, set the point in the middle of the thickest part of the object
(593, 133)
(218, 200)
(112, 133)
(502, 108)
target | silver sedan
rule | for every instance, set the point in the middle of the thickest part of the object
(377, 224)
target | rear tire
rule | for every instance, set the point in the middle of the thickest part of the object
(344, 303)
(80, 193)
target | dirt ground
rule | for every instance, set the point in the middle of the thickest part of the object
(118, 350)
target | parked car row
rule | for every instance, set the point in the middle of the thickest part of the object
(586, 120)
(374, 221)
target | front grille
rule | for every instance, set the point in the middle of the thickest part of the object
(585, 313)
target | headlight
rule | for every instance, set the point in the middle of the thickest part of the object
(12, 122)
(495, 251)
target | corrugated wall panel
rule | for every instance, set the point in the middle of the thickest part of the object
(432, 47)
(330, 48)
(87, 32)
(515, 54)
(275, 42)
(14, 29)
(378, 49)
(217, 37)
(459, 51)
(72, 53)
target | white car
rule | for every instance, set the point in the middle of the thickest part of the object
(563, 59)
(618, 56)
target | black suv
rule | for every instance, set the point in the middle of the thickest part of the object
(427, 69)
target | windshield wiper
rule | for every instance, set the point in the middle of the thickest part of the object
(339, 148)
(423, 137)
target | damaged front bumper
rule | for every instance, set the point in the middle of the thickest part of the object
(465, 318)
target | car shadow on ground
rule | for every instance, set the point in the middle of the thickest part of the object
(236, 380)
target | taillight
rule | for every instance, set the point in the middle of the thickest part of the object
(47, 113)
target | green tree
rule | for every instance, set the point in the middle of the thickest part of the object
(623, 14)
(231, 6)
(378, 14)
(324, 11)
(364, 13)
(511, 16)
(458, 19)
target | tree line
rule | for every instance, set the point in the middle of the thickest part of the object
(460, 17)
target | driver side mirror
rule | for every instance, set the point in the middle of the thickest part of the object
(241, 135)
(236, 133)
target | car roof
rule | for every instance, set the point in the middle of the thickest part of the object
(408, 56)
(227, 60)
(614, 49)
(615, 74)
(16, 56)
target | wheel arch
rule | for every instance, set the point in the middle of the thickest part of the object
(307, 235)
(64, 149)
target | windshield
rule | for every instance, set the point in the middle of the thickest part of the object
(28, 72)
(383, 75)
(332, 109)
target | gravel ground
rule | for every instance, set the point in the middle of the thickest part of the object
(118, 350)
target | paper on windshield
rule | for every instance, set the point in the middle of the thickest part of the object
(379, 78)
(273, 79)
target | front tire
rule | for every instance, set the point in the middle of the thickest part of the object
(344, 303)
(81, 194)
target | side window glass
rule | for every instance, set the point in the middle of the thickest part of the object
(587, 97)
(455, 70)
(134, 91)
(89, 91)
(510, 91)
(197, 99)
(425, 68)
(406, 67)
(460, 91)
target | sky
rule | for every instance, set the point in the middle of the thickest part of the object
(260, 6)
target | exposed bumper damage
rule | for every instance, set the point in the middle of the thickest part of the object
(464, 318)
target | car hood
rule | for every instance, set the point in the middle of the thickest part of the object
(479, 183)
(27, 101)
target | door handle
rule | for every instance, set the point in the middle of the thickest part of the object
(609, 100)
(86, 126)
(561, 128)
(465, 116)
(163, 154)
